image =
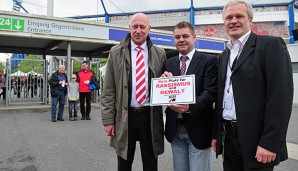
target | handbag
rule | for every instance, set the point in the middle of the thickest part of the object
(94, 84)
(92, 87)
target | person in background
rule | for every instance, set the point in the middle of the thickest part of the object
(255, 95)
(29, 84)
(3, 81)
(73, 97)
(189, 126)
(126, 114)
(84, 77)
(58, 83)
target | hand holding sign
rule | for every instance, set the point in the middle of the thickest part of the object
(170, 89)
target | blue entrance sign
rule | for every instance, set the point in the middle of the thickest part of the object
(209, 44)
(161, 39)
(155, 38)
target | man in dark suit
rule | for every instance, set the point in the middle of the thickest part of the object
(255, 93)
(189, 126)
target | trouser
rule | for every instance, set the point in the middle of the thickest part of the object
(73, 105)
(61, 100)
(139, 130)
(186, 157)
(233, 160)
(3, 92)
(85, 96)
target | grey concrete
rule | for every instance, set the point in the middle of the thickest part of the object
(30, 142)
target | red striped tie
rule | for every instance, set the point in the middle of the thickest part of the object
(140, 77)
(183, 65)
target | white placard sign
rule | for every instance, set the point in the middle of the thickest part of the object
(173, 90)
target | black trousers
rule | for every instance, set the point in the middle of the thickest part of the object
(139, 130)
(85, 96)
(3, 92)
(233, 160)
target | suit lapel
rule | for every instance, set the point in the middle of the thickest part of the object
(225, 57)
(248, 48)
(176, 64)
(195, 61)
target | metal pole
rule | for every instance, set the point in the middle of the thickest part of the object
(107, 18)
(45, 80)
(291, 21)
(192, 14)
(68, 59)
(8, 88)
(50, 8)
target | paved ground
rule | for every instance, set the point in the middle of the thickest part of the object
(30, 142)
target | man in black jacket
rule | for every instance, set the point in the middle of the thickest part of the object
(255, 94)
(189, 126)
(58, 83)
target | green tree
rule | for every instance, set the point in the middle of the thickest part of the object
(2, 67)
(30, 63)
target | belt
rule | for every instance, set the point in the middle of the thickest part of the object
(230, 123)
(139, 109)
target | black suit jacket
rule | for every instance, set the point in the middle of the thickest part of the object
(263, 93)
(198, 122)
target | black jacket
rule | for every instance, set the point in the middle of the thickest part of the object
(263, 93)
(54, 84)
(198, 122)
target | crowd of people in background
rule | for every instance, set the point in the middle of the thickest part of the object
(23, 86)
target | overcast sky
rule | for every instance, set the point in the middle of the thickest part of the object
(66, 8)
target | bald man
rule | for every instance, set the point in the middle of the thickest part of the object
(126, 114)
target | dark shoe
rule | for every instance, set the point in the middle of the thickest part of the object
(60, 119)
(75, 118)
(88, 118)
(71, 118)
(83, 118)
(53, 119)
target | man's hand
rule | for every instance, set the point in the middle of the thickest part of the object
(264, 156)
(110, 130)
(167, 74)
(213, 144)
(180, 108)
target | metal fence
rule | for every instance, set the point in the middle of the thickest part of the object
(25, 87)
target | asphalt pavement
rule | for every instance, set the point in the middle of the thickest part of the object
(29, 141)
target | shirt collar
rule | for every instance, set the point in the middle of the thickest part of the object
(143, 46)
(189, 55)
(242, 40)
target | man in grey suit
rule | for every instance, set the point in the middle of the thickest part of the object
(255, 94)
(126, 114)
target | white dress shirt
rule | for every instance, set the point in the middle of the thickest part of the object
(229, 113)
(134, 51)
(189, 55)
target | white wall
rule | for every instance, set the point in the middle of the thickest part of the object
(293, 50)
